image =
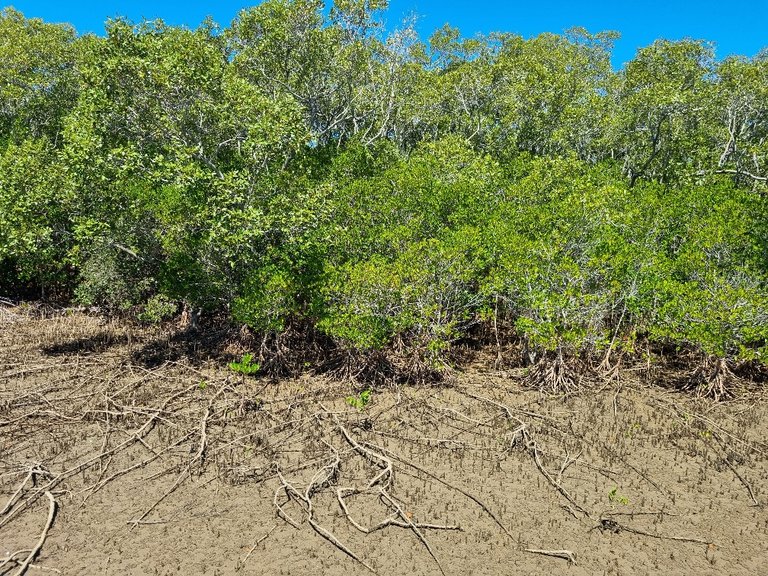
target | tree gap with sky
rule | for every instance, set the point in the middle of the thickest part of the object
(737, 30)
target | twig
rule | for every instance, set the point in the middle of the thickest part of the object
(259, 541)
(12, 560)
(728, 463)
(32, 471)
(32, 565)
(566, 464)
(564, 554)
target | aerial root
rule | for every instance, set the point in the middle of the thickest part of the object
(609, 371)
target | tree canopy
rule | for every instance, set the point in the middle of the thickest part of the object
(308, 169)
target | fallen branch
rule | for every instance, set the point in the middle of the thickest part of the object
(31, 473)
(407, 519)
(744, 482)
(305, 501)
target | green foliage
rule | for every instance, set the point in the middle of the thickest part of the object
(157, 309)
(36, 209)
(245, 366)
(614, 497)
(37, 78)
(360, 401)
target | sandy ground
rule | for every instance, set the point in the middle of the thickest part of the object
(159, 463)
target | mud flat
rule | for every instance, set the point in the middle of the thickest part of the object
(122, 454)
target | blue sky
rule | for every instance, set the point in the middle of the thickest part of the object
(736, 26)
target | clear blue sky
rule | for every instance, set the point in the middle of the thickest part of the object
(736, 26)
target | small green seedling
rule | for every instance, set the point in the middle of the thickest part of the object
(615, 498)
(203, 385)
(633, 429)
(245, 366)
(360, 401)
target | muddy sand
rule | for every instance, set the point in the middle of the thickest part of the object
(122, 454)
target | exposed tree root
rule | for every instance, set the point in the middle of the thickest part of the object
(43, 535)
(608, 524)
(553, 375)
(328, 476)
(174, 425)
(712, 379)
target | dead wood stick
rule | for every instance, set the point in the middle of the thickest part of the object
(259, 541)
(19, 418)
(93, 488)
(385, 476)
(49, 522)
(459, 415)
(728, 463)
(342, 493)
(179, 479)
(12, 558)
(566, 463)
(290, 492)
(306, 503)
(662, 537)
(200, 455)
(564, 554)
(335, 541)
(32, 565)
(615, 527)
